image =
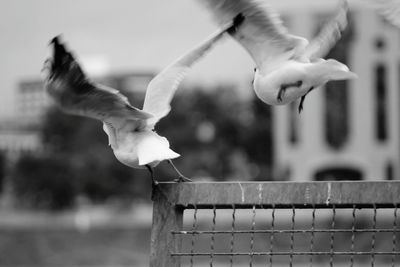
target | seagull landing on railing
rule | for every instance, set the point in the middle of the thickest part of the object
(130, 130)
(287, 66)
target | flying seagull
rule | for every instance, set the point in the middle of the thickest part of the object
(130, 130)
(288, 67)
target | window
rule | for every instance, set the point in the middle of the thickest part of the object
(389, 171)
(336, 114)
(381, 131)
(380, 43)
(338, 174)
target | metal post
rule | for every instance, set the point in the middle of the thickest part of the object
(166, 218)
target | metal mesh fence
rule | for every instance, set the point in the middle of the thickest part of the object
(344, 231)
(290, 237)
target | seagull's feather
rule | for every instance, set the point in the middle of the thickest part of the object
(111, 103)
(162, 88)
(75, 93)
(153, 148)
(262, 33)
(110, 131)
(388, 9)
(329, 34)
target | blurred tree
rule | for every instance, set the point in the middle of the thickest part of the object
(79, 145)
(219, 136)
(44, 182)
(211, 128)
(2, 170)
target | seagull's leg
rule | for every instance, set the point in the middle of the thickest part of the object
(153, 181)
(281, 92)
(304, 97)
(284, 86)
(181, 177)
(301, 103)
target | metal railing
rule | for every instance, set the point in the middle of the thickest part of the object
(276, 224)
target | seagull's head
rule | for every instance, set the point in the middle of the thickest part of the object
(335, 70)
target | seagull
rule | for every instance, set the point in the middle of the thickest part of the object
(288, 67)
(130, 130)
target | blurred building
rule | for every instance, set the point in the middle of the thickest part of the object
(20, 134)
(347, 130)
(32, 101)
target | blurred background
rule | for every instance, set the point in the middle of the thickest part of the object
(65, 199)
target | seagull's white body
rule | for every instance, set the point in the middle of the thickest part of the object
(130, 130)
(140, 148)
(287, 66)
(311, 75)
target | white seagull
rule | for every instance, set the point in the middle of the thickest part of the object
(287, 66)
(130, 130)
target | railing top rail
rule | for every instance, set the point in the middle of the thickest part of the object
(341, 194)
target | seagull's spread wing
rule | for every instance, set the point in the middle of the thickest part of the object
(329, 34)
(389, 9)
(262, 33)
(162, 88)
(109, 102)
(69, 86)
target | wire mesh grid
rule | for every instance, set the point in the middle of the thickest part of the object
(276, 224)
(274, 236)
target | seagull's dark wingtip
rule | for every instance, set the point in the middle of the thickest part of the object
(236, 22)
(55, 40)
(59, 47)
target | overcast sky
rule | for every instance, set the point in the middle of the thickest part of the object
(117, 35)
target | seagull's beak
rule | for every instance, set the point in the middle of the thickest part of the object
(352, 75)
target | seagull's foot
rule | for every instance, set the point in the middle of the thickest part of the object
(281, 93)
(284, 86)
(154, 186)
(182, 179)
(154, 183)
(303, 98)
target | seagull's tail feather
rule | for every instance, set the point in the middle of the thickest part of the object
(153, 148)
